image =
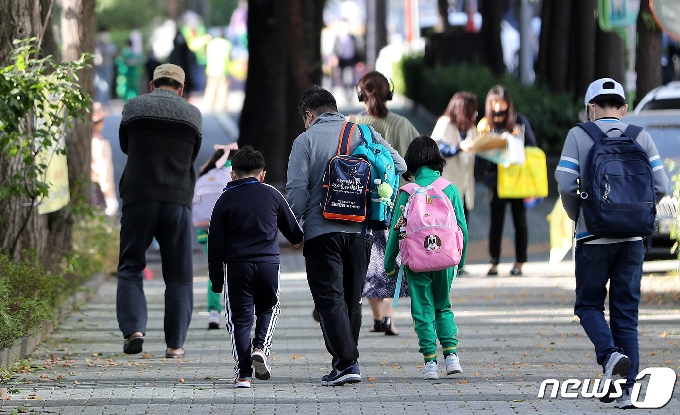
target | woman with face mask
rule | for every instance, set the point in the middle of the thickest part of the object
(499, 117)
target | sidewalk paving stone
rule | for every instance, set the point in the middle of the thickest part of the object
(514, 333)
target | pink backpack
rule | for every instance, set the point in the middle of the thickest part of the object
(430, 239)
(208, 189)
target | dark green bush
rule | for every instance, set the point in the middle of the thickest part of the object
(550, 115)
(28, 297)
(30, 294)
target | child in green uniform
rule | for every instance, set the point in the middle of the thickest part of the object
(430, 301)
(219, 160)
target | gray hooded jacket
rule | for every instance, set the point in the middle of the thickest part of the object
(308, 160)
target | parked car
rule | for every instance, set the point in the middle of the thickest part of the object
(664, 127)
(666, 97)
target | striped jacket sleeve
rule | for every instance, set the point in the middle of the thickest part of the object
(567, 175)
(661, 180)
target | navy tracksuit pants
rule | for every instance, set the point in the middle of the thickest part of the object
(251, 286)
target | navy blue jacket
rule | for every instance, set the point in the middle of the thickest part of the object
(244, 227)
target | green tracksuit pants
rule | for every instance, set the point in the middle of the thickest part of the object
(431, 311)
(214, 299)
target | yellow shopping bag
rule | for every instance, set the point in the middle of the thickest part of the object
(561, 233)
(527, 180)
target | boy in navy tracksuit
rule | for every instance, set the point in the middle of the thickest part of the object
(243, 244)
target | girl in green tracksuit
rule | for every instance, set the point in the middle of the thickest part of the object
(430, 301)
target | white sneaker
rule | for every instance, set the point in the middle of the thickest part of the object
(453, 364)
(623, 402)
(431, 370)
(214, 320)
(262, 369)
(242, 383)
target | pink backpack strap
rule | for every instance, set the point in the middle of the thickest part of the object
(408, 188)
(440, 184)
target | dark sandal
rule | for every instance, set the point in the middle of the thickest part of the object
(133, 345)
(515, 271)
(377, 327)
(177, 355)
(389, 328)
(492, 271)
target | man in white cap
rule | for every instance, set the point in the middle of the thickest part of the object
(161, 134)
(606, 256)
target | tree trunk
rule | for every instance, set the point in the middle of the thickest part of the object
(492, 14)
(647, 62)
(582, 68)
(77, 29)
(17, 23)
(376, 30)
(544, 37)
(443, 24)
(611, 57)
(558, 45)
(21, 228)
(48, 43)
(284, 41)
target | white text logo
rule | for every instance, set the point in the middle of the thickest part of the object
(658, 392)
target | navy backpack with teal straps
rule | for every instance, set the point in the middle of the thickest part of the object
(350, 203)
(618, 197)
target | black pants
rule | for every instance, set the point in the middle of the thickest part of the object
(251, 285)
(170, 223)
(336, 271)
(519, 219)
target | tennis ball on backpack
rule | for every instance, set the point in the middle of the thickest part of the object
(385, 190)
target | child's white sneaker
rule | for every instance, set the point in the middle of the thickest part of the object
(214, 320)
(453, 364)
(624, 402)
(431, 370)
(241, 383)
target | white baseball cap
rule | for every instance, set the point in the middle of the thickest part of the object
(605, 88)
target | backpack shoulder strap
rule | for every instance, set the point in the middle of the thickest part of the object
(408, 188)
(633, 131)
(366, 132)
(440, 184)
(345, 140)
(592, 130)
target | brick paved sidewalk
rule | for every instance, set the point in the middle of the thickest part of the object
(514, 333)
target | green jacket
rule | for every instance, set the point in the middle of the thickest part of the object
(424, 176)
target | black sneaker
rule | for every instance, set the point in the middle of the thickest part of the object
(350, 375)
(608, 397)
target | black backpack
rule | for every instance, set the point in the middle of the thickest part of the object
(618, 197)
(346, 182)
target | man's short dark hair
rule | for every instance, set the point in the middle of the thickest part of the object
(606, 102)
(317, 100)
(167, 82)
(247, 162)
